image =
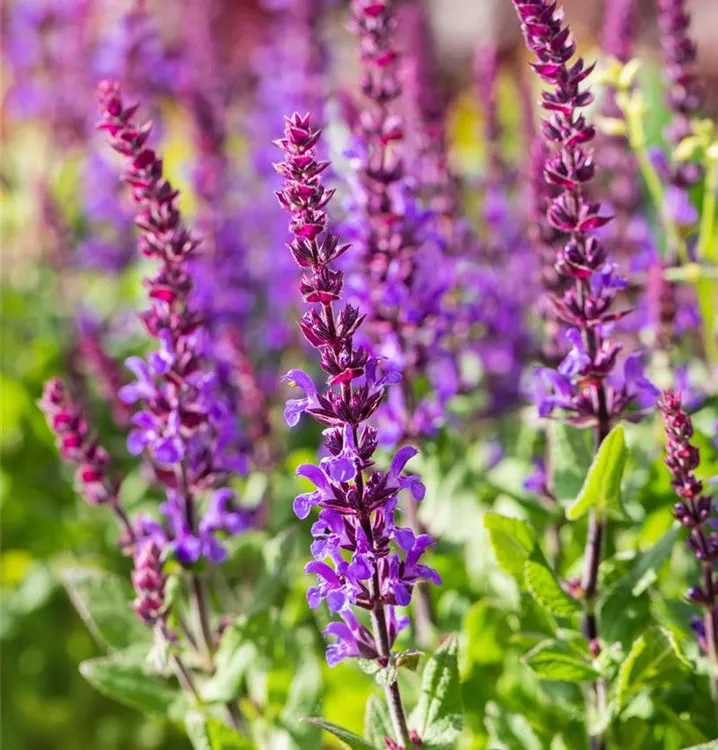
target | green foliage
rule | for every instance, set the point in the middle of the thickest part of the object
(654, 660)
(438, 715)
(124, 679)
(546, 590)
(103, 601)
(377, 722)
(555, 660)
(351, 740)
(602, 487)
(571, 453)
(213, 734)
(512, 541)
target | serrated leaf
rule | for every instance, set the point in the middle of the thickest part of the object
(546, 590)
(351, 740)
(512, 541)
(377, 722)
(570, 456)
(654, 659)
(438, 716)
(129, 683)
(602, 487)
(103, 602)
(277, 554)
(553, 660)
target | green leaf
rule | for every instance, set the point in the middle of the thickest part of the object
(512, 541)
(712, 745)
(646, 564)
(377, 722)
(602, 487)
(570, 456)
(206, 733)
(129, 683)
(546, 590)
(487, 632)
(554, 660)
(654, 659)
(305, 693)
(237, 652)
(222, 737)
(438, 715)
(103, 602)
(277, 554)
(351, 740)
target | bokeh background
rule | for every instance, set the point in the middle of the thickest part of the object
(46, 704)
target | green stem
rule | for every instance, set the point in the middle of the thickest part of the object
(707, 250)
(637, 140)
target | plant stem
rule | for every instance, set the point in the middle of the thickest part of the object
(633, 113)
(393, 694)
(200, 614)
(707, 250)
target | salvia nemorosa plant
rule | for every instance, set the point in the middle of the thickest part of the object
(586, 387)
(694, 511)
(358, 503)
(419, 329)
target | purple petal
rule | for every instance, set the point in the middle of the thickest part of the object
(301, 379)
(403, 456)
(315, 475)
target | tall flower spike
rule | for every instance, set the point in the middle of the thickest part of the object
(404, 275)
(79, 448)
(693, 511)
(187, 428)
(586, 386)
(357, 503)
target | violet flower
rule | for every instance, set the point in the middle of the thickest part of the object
(693, 512)
(404, 275)
(362, 558)
(585, 392)
(186, 427)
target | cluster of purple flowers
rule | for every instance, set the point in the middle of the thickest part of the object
(404, 275)
(586, 384)
(357, 503)
(186, 428)
(693, 511)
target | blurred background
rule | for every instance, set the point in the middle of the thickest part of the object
(63, 263)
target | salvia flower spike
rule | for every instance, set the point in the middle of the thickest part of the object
(357, 503)
(187, 427)
(693, 511)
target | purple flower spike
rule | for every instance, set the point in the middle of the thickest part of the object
(694, 511)
(584, 386)
(186, 426)
(355, 536)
